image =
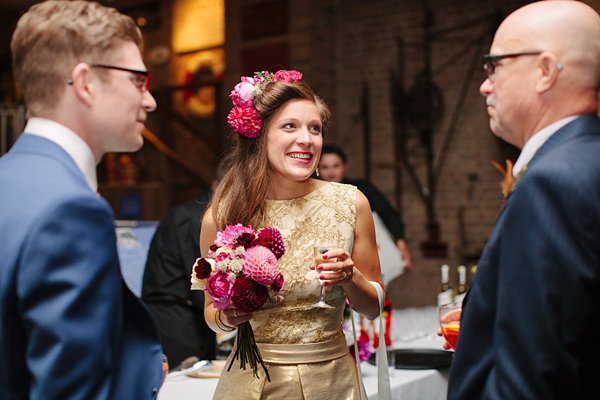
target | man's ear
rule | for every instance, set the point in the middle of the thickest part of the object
(548, 70)
(83, 84)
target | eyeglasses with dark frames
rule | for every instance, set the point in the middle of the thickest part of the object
(142, 77)
(489, 61)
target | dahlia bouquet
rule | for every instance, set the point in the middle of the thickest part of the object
(241, 270)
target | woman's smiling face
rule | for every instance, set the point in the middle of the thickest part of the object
(294, 141)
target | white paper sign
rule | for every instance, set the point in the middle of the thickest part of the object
(392, 263)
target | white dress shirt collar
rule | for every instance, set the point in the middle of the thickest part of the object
(537, 140)
(70, 142)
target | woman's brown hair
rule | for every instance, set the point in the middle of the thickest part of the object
(241, 194)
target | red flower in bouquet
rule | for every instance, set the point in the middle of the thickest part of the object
(277, 283)
(270, 238)
(248, 295)
(220, 288)
(241, 269)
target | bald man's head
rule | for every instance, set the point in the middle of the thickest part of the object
(553, 70)
(569, 29)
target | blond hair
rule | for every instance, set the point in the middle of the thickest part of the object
(241, 194)
(52, 37)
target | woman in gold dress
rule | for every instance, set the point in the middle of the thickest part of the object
(281, 123)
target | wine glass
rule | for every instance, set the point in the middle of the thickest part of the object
(450, 322)
(321, 248)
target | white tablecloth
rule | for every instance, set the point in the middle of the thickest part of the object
(406, 384)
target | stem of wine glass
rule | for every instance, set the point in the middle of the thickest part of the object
(322, 297)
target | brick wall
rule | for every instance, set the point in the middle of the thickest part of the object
(342, 44)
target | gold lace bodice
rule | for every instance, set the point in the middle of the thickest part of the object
(302, 221)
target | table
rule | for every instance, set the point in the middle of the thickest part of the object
(430, 384)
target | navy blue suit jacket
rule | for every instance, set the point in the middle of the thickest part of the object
(531, 320)
(69, 326)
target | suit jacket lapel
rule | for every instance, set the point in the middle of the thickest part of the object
(586, 125)
(32, 144)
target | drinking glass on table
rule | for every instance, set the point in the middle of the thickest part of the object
(450, 322)
(320, 248)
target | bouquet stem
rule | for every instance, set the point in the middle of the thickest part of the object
(247, 350)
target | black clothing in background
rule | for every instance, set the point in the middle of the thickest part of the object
(177, 310)
(379, 204)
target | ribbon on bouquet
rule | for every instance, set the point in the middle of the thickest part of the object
(384, 391)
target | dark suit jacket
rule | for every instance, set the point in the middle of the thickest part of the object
(177, 310)
(530, 321)
(384, 209)
(69, 327)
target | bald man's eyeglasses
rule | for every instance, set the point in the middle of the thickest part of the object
(141, 78)
(489, 61)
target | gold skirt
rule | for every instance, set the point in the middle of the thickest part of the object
(310, 371)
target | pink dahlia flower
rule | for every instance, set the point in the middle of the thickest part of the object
(260, 265)
(242, 95)
(287, 76)
(245, 121)
(220, 287)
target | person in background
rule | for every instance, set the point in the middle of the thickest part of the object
(333, 167)
(177, 310)
(70, 328)
(529, 327)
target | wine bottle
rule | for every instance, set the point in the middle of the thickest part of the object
(463, 286)
(445, 292)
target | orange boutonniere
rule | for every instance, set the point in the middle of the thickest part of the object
(507, 182)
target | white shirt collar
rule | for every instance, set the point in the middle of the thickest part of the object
(537, 140)
(70, 142)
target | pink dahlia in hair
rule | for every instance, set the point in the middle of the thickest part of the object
(242, 94)
(287, 76)
(262, 77)
(260, 265)
(271, 238)
(248, 295)
(245, 121)
(220, 287)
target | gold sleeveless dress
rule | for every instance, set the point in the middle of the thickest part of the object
(304, 347)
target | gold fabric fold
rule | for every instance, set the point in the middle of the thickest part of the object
(293, 379)
(305, 353)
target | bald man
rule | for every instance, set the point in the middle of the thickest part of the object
(531, 320)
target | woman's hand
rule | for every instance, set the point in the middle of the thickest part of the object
(233, 317)
(447, 318)
(339, 272)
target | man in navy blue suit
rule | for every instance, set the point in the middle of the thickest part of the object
(69, 327)
(531, 320)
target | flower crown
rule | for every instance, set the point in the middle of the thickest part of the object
(243, 117)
